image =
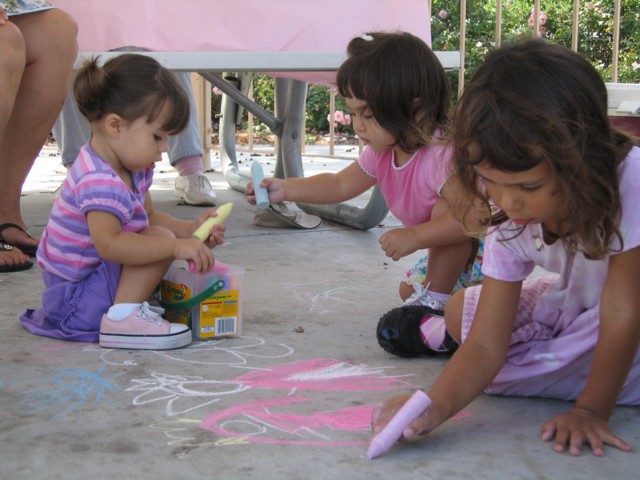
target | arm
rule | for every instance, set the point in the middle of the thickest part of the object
(617, 346)
(127, 248)
(322, 188)
(183, 228)
(441, 230)
(474, 365)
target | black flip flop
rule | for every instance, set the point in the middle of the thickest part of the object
(13, 268)
(16, 268)
(26, 249)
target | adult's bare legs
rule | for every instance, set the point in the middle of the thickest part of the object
(46, 43)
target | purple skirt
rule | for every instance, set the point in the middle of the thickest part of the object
(73, 310)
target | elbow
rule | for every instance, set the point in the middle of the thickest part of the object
(108, 254)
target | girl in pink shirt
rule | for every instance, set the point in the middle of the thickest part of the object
(533, 139)
(399, 98)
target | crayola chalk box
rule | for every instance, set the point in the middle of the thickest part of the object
(210, 303)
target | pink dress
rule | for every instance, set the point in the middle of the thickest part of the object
(557, 325)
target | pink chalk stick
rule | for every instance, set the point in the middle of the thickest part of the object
(384, 440)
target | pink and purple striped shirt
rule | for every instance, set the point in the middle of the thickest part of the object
(66, 248)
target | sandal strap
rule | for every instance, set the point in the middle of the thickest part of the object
(4, 226)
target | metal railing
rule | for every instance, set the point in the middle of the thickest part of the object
(536, 27)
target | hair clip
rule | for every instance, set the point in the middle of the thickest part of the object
(367, 38)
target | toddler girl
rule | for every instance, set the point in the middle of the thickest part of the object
(105, 247)
(399, 98)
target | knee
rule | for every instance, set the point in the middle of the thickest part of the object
(62, 33)
(13, 49)
(453, 315)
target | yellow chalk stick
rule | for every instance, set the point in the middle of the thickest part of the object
(203, 230)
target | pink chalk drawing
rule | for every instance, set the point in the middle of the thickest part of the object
(323, 374)
(279, 420)
(183, 393)
(256, 422)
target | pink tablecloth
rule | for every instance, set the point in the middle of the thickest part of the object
(240, 25)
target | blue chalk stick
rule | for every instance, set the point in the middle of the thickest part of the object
(262, 196)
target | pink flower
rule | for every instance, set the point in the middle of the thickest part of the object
(591, 5)
(542, 22)
(443, 14)
(217, 91)
(339, 118)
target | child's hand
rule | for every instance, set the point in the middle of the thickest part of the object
(579, 426)
(275, 189)
(3, 16)
(399, 242)
(196, 251)
(216, 235)
(384, 413)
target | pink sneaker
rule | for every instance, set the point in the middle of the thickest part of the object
(143, 329)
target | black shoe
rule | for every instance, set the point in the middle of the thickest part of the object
(398, 332)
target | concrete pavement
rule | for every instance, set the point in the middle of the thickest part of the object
(290, 399)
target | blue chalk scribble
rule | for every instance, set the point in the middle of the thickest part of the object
(69, 389)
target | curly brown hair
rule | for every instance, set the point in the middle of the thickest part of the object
(534, 102)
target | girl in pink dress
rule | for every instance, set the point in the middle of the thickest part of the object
(532, 138)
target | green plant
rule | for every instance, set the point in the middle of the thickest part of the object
(595, 27)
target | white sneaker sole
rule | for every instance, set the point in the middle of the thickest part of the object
(183, 196)
(146, 342)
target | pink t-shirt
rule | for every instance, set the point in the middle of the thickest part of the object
(413, 189)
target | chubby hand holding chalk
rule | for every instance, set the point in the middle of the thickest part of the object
(202, 233)
(262, 196)
(391, 433)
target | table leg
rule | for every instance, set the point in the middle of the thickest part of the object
(289, 128)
